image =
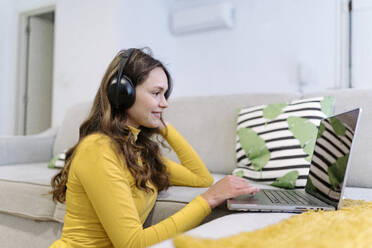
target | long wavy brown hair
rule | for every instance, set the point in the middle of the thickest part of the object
(103, 119)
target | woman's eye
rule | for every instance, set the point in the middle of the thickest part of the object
(156, 93)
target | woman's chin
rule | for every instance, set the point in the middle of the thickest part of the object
(156, 124)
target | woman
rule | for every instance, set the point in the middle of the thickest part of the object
(112, 176)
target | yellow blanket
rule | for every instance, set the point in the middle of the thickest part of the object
(349, 227)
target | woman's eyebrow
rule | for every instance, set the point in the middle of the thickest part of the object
(160, 87)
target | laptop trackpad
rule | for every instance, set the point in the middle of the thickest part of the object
(258, 198)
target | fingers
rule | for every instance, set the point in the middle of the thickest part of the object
(247, 191)
(250, 190)
(228, 187)
(239, 186)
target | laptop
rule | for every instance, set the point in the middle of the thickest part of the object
(327, 174)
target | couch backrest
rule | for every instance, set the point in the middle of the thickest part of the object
(209, 124)
(68, 133)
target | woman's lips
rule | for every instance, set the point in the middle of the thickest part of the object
(157, 114)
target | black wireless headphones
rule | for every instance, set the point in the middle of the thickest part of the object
(121, 92)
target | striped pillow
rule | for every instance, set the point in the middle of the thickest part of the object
(275, 142)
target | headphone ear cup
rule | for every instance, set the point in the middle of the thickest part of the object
(123, 95)
(121, 91)
(128, 92)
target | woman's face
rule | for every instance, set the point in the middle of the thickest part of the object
(150, 101)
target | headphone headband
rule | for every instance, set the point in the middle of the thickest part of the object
(123, 61)
(122, 94)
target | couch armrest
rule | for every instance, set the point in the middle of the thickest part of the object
(27, 149)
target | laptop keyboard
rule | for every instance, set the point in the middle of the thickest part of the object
(286, 197)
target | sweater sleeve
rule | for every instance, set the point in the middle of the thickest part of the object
(192, 171)
(104, 180)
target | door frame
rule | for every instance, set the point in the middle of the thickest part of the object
(22, 58)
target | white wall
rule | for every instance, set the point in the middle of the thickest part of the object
(8, 25)
(9, 17)
(85, 42)
(262, 53)
(362, 44)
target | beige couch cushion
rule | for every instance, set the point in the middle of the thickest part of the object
(25, 192)
(68, 134)
(17, 232)
(209, 124)
(360, 173)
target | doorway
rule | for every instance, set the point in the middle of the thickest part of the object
(35, 88)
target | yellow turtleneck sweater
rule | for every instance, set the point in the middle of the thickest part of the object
(104, 208)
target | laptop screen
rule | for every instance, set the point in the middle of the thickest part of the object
(331, 155)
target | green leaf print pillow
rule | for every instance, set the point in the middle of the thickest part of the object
(275, 142)
(57, 161)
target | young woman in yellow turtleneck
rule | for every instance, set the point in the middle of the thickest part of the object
(113, 174)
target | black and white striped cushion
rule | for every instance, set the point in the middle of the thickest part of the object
(286, 153)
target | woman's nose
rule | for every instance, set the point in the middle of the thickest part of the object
(163, 102)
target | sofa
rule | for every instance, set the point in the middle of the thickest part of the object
(29, 218)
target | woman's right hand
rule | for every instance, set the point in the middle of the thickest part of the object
(228, 187)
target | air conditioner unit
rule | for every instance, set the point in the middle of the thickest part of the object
(202, 18)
